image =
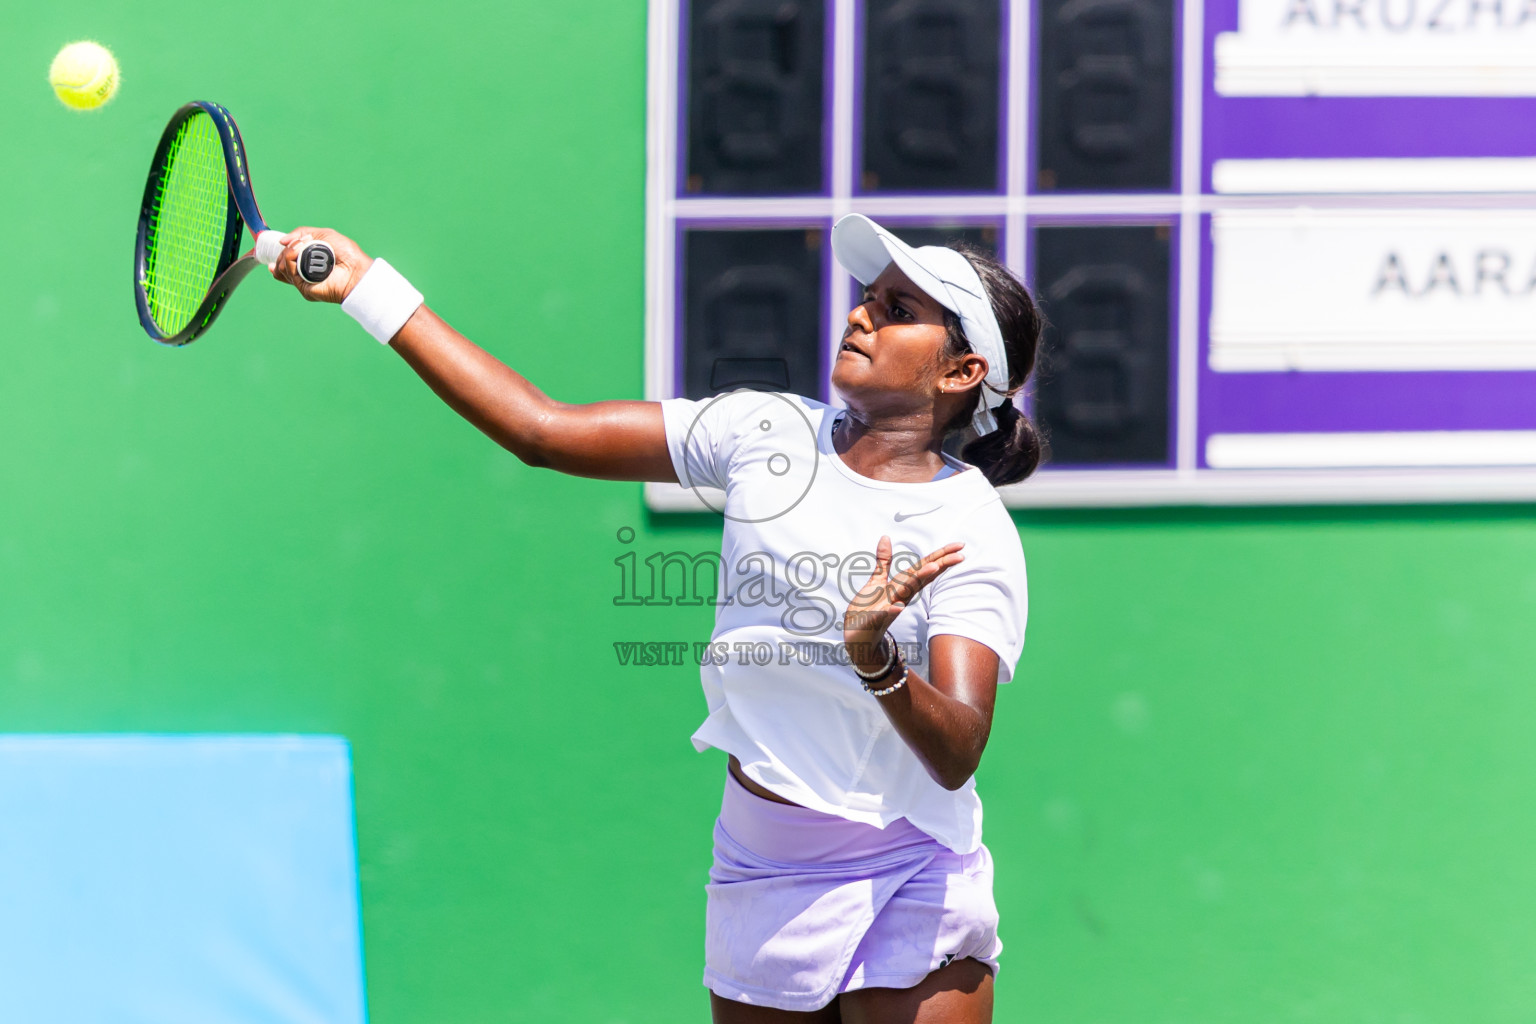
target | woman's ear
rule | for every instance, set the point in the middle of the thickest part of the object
(964, 373)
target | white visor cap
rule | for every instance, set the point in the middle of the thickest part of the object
(865, 249)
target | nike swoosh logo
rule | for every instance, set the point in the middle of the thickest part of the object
(903, 517)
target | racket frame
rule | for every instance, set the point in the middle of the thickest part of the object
(242, 211)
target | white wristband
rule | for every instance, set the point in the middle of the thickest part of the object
(382, 301)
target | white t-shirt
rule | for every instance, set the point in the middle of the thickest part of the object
(799, 540)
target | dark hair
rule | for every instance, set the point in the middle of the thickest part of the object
(1012, 451)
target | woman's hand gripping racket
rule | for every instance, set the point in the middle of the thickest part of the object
(187, 259)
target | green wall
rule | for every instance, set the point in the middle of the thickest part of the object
(1258, 766)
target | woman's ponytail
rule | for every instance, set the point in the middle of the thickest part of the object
(1013, 451)
(1008, 454)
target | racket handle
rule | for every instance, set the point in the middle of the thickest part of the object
(316, 259)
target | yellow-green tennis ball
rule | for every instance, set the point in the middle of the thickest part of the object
(84, 75)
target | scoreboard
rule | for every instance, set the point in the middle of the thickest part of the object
(1287, 247)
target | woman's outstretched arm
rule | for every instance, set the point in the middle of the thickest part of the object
(607, 440)
(618, 440)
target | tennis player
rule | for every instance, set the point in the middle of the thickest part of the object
(872, 598)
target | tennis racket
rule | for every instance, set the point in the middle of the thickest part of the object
(198, 199)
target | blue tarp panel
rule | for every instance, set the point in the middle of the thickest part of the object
(178, 880)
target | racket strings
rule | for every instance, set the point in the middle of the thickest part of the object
(187, 222)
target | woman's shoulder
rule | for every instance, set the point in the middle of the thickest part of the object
(745, 400)
(751, 412)
(984, 517)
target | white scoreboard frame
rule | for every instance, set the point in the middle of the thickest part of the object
(1404, 476)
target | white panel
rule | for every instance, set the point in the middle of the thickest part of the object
(1379, 48)
(1187, 269)
(839, 283)
(1399, 175)
(1121, 488)
(1299, 289)
(1355, 450)
(1015, 252)
(660, 178)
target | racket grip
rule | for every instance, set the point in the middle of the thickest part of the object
(316, 259)
(268, 247)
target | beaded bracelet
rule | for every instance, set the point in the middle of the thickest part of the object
(885, 670)
(891, 658)
(901, 681)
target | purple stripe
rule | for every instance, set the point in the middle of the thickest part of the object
(1369, 127)
(1286, 402)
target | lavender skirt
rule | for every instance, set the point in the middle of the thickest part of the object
(804, 905)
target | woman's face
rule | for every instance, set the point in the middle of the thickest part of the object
(892, 341)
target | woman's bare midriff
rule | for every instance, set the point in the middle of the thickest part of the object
(752, 787)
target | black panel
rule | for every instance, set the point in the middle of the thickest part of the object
(1102, 389)
(752, 311)
(1106, 95)
(754, 96)
(931, 85)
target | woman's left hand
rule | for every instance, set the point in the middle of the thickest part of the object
(876, 606)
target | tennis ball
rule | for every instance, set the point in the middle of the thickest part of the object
(84, 75)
